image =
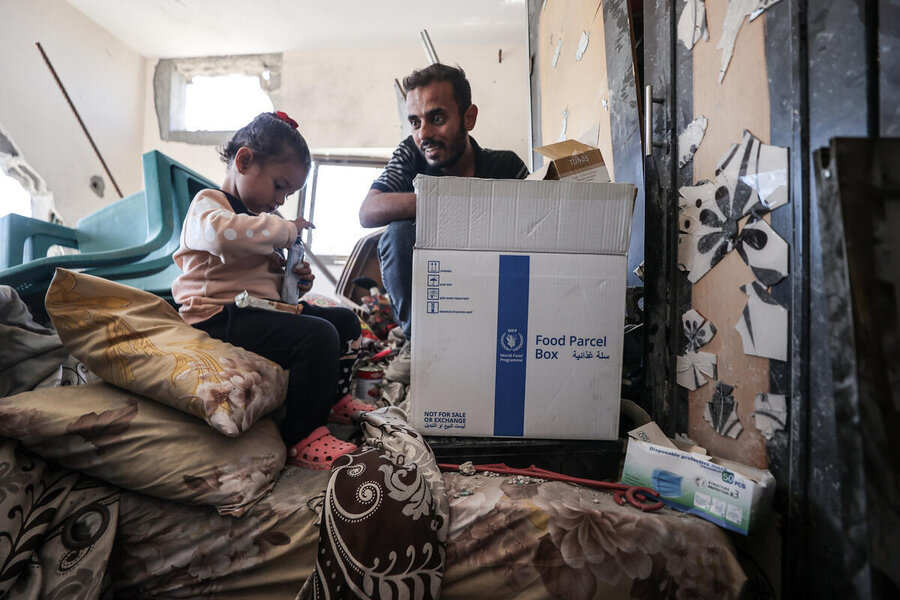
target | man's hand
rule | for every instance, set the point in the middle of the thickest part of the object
(380, 208)
(305, 276)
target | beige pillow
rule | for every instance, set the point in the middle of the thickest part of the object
(137, 341)
(144, 446)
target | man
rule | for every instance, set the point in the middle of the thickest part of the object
(441, 115)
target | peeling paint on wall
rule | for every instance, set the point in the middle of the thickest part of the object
(689, 140)
(582, 45)
(692, 23)
(737, 11)
(565, 125)
(761, 6)
(556, 52)
(13, 164)
(6, 146)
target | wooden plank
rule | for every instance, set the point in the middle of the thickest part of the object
(888, 22)
(740, 102)
(625, 119)
(660, 243)
(786, 65)
(534, 74)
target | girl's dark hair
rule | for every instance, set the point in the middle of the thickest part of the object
(269, 137)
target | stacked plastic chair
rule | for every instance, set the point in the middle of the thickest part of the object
(131, 240)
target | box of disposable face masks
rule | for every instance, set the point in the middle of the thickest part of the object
(729, 494)
(518, 307)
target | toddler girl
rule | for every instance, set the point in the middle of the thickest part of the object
(230, 243)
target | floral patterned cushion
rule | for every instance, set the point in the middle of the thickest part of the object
(135, 340)
(144, 446)
(390, 490)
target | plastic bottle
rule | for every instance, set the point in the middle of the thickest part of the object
(289, 292)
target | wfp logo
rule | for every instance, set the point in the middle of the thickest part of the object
(512, 340)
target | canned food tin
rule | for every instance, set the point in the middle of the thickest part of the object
(367, 378)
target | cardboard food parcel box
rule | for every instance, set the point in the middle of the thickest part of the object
(518, 307)
(729, 494)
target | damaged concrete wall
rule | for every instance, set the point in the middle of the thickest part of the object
(104, 79)
(345, 98)
(13, 164)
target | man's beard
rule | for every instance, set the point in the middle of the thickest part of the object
(455, 150)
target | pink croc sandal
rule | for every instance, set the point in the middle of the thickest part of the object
(346, 407)
(318, 450)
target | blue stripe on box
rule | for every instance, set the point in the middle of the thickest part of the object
(512, 345)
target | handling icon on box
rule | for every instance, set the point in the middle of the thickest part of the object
(433, 293)
(434, 266)
(434, 280)
(433, 307)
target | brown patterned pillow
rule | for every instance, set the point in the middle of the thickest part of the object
(144, 446)
(135, 340)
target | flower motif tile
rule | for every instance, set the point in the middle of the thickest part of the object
(763, 325)
(770, 413)
(751, 180)
(721, 412)
(693, 366)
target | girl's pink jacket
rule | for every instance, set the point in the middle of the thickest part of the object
(223, 253)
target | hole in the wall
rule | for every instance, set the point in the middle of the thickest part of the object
(98, 186)
(6, 146)
(14, 195)
(14, 198)
(179, 83)
(22, 190)
(205, 111)
(36, 183)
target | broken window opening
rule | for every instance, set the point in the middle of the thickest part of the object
(205, 111)
(14, 198)
(22, 190)
(190, 95)
(331, 199)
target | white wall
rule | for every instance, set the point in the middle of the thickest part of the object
(346, 98)
(342, 98)
(105, 80)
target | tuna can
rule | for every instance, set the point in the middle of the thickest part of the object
(367, 378)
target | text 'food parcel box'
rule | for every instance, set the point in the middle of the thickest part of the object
(518, 307)
(573, 160)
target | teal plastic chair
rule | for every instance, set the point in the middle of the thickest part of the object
(104, 236)
(131, 240)
(176, 184)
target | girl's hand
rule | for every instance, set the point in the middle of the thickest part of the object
(302, 223)
(305, 276)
